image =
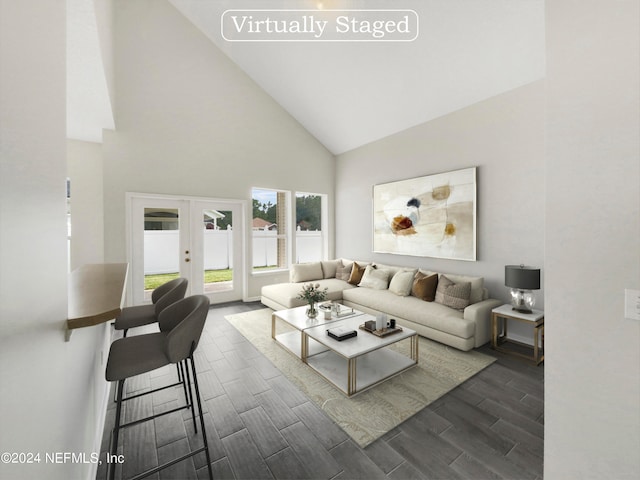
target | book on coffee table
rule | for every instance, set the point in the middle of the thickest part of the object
(341, 333)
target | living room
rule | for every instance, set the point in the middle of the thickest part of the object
(547, 154)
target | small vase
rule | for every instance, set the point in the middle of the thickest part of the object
(312, 312)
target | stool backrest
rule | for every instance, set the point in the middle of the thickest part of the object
(183, 321)
(172, 291)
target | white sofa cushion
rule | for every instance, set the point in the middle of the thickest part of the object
(329, 268)
(305, 272)
(285, 294)
(430, 314)
(477, 285)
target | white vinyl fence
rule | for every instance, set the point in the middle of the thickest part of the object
(162, 252)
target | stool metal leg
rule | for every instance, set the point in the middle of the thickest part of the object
(204, 432)
(188, 393)
(193, 411)
(182, 368)
(124, 334)
(116, 430)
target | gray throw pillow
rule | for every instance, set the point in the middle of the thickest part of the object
(343, 272)
(454, 295)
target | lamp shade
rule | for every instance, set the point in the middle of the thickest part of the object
(521, 277)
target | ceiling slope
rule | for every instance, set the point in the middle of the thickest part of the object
(350, 94)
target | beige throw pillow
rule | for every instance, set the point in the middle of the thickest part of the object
(454, 295)
(374, 278)
(401, 283)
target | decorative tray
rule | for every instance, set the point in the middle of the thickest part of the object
(384, 332)
(342, 310)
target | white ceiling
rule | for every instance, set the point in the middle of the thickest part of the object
(351, 94)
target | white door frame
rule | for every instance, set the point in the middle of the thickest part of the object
(240, 262)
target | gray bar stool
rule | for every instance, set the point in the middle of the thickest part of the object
(181, 326)
(140, 315)
(161, 298)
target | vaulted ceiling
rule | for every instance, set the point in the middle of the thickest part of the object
(348, 94)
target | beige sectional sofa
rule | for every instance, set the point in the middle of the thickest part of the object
(459, 315)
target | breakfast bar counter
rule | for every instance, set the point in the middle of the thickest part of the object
(96, 294)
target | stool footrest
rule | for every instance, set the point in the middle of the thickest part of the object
(146, 419)
(168, 464)
(151, 391)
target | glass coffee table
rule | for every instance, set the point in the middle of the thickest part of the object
(358, 363)
(287, 327)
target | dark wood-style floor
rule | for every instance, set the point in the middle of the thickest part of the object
(260, 426)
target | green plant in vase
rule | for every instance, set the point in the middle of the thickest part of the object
(312, 294)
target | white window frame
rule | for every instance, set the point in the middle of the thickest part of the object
(289, 214)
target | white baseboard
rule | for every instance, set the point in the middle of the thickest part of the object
(103, 391)
(97, 441)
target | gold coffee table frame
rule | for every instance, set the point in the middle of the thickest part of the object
(369, 352)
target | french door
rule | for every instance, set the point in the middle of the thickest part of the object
(195, 238)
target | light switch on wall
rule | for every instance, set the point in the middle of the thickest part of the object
(632, 304)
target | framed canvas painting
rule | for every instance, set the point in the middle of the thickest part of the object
(430, 216)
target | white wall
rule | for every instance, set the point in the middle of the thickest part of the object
(592, 251)
(190, 122)
(503, 137)
(49, 389)
(84, 168)
(104, 21)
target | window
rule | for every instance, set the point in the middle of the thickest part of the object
(271, 214)
(311, 244)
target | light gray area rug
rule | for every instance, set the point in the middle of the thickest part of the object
(369, 414)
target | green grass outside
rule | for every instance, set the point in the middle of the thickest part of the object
(152, 282)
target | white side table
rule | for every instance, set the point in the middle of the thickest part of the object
(499, 335)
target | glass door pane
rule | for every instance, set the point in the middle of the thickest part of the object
(161, 247)
(159, 244)
(217, 250)
(181, 237)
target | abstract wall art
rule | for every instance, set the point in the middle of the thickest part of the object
(430, 216)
